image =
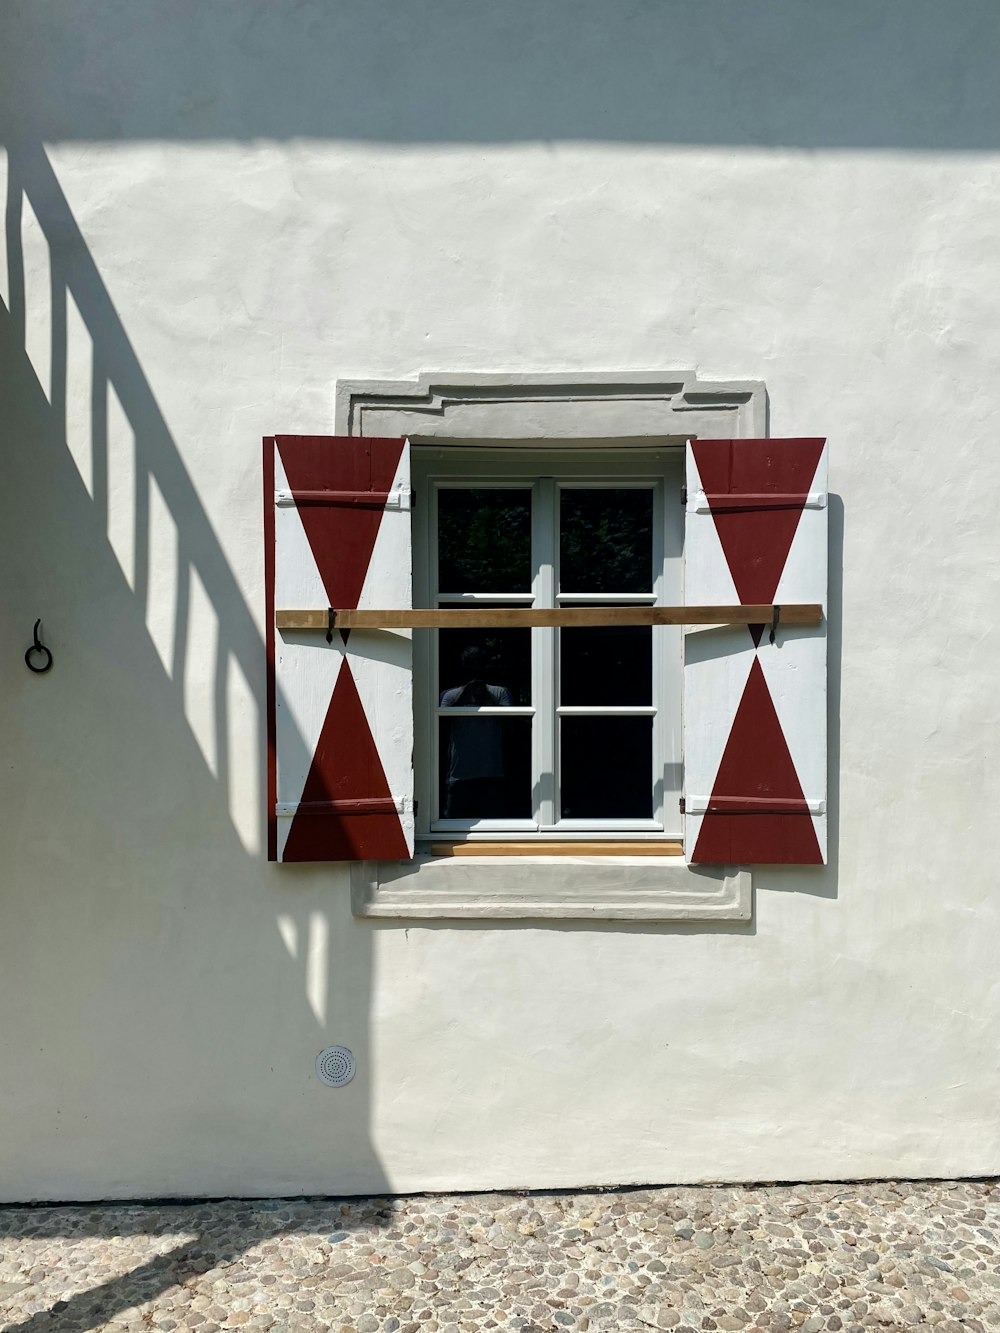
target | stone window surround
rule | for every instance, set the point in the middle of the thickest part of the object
(605, 409)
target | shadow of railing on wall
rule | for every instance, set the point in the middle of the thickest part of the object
(131, 552)
(120, 396)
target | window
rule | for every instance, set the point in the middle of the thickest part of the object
(353, 716)
(532, 733)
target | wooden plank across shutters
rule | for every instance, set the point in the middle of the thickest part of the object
(755, 711)
(509, 618)
(340, 711)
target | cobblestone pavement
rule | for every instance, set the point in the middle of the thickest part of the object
(839, 1257)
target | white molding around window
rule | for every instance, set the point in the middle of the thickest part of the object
(576, 888)
(599, 409)
(602, 410)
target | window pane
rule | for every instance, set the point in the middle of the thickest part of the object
(606, 767)
(484, 540)
(486, 768)
(605, 540)
(606, 665)
(484, 666)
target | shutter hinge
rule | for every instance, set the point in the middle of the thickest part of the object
(682, 806)
(684, 496)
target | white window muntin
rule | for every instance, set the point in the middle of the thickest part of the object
(659, 470)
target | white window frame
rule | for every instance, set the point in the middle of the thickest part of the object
(545, 473)
(521, 409)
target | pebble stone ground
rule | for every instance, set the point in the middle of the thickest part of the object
(805, 1258)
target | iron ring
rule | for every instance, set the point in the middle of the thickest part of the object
(37, 648)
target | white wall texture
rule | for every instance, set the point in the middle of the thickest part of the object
(237, 204)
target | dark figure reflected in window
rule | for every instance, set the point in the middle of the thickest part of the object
(475, 766)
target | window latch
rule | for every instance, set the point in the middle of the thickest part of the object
(682, 806)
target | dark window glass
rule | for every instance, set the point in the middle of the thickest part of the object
(484, 540)
(486, 768)
(606, 767)
(605, 540)
(499, 659)
(606, 665)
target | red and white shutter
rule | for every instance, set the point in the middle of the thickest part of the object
(755, 712)
(340, 713)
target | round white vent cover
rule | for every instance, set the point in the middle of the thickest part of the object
(335, 1066)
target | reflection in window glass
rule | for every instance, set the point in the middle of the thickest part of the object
(605, 540)
(606, 766)
(484, 540)
(606, 665)
(481, 666)
(486, 768)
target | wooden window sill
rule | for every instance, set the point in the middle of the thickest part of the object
(648, 847)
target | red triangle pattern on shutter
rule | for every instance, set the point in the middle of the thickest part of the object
(756, 491)
(346, 769)
(756, 759)
(346, 811)
(342, 537)
(756, 539)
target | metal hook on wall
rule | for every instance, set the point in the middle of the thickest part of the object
(38, 649)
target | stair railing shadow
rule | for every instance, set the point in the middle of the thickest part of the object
(116, 367)
(238, 645)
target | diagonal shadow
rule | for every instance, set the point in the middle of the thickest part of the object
(116, 367)
(245, 1226)
(152, 776)
(96, 1305)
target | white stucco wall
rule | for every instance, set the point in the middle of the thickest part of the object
(247, 203)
